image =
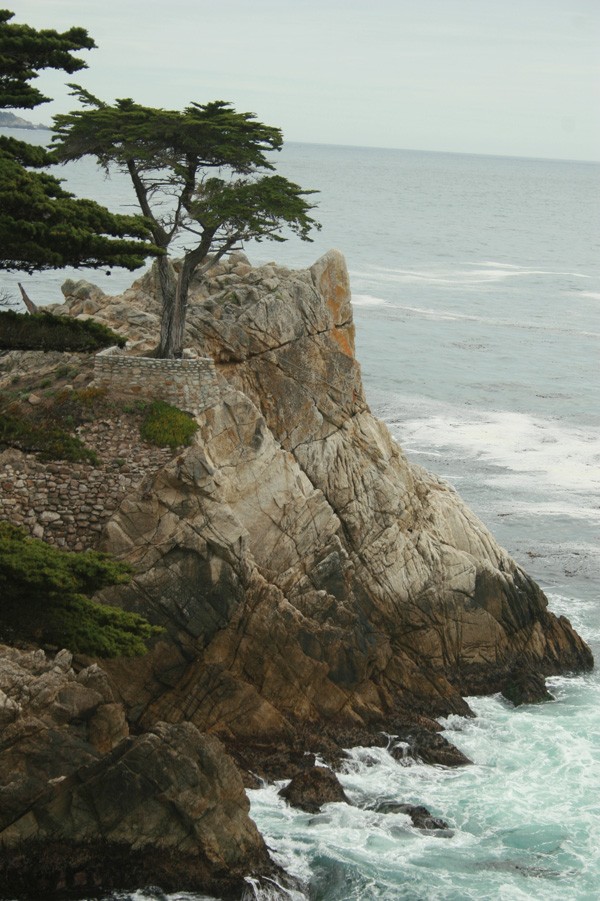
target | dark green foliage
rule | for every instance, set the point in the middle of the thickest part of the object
(24, 51)
(44, 591)
(42, 226)
(40, 331)
(256, 209)
(51, 441)
(166, 426)
(183, 142)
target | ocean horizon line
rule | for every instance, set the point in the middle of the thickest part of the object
(508, 156)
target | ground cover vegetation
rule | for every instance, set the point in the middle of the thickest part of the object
(166, 426)
(48, 427)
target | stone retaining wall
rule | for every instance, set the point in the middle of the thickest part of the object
(189, 384)
(67, 504)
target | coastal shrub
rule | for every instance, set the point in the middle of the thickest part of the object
(72, 408)
(42, 331)
(44, 598)
(166, 426)
(51, 441)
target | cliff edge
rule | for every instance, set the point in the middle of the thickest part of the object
(316, 587)
(316, 592)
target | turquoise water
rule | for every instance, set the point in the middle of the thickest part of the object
(476, 290)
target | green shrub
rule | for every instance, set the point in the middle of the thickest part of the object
(63, 371)
(166, 426)
(51, 441)
(43, 598)
(42, 331)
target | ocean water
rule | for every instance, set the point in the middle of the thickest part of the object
(476, 292)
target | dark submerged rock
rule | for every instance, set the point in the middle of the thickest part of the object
(421, 817)
(526, 687)
(312, 788)
(430, 747)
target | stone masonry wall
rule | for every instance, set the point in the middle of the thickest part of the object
(67, 504)
(189, 384)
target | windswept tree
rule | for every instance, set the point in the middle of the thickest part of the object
(42, 226)
(201, 179)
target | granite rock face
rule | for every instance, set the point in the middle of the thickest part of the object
(317, 591)
(311, 580)
(86, 807)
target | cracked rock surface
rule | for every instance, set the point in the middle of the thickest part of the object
(316, 592)
(312, 582)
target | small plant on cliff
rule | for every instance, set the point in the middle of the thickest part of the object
(166, 426)
(45, 592)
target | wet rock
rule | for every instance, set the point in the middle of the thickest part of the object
(167, 808)
(310, 789)
(84, 807)
(526, 687)
(429, 747)
(420, 816)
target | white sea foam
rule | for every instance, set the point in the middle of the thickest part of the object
(367, 300)
(499, 846)
(564, 458)
(470, 274)
(440, 315)
(399, 310)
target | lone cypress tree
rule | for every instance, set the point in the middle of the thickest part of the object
(169, 156)
(42, 226)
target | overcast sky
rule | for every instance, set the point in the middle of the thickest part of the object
(509, 77)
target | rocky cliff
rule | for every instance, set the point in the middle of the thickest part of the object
(86, 808)
(315, 586)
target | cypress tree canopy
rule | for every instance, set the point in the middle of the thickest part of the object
(25, 51)
(169, 156)
(43, 226)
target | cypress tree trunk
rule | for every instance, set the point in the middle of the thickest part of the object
(180, 308)
(174, 288)
(167, 289)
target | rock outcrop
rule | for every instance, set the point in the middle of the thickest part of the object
(311, 580)
(316, 591)
(86, 807)
(312, 788)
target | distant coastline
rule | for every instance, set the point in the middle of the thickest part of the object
(9, 120)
